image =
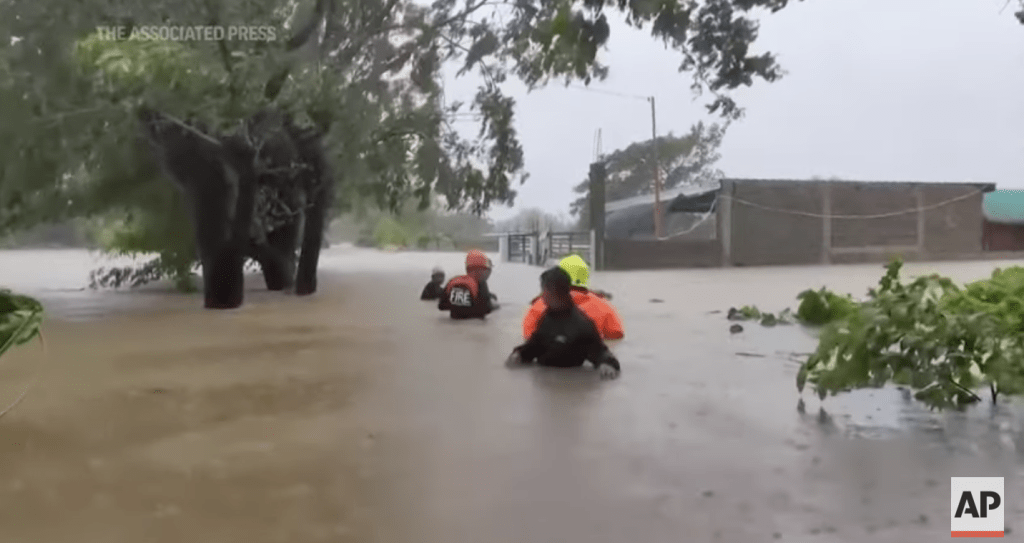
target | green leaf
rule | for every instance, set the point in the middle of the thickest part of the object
(21, 320)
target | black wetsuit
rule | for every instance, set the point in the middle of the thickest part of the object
(463, 304)
(433, 291)
(565, 339)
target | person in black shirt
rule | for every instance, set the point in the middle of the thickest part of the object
(565, 337)
(435, 288)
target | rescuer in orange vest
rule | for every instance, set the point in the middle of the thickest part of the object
(590, 303)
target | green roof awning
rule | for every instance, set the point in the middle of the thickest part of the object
(1004, 206)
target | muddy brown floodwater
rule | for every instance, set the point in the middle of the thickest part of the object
(361, 414)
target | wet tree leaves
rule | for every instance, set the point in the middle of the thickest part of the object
(941, 341)
(21, 319)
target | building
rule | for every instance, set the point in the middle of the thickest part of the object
(1004, 220)
(758, 222)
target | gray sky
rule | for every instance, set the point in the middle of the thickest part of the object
(912, 90)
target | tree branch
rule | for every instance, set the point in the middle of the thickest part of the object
(966, 390)
(276, 82)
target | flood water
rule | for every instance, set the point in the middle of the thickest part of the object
(362, 414)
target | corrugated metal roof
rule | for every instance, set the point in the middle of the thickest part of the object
(1004, 206)
(648, 199)
(984, 187)
(666, 196)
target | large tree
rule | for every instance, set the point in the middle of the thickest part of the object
(347, 105)
(683, 160)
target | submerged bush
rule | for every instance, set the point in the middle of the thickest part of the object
(939, 340)
(930, 335)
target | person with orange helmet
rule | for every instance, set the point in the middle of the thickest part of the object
(468, 296)
(593, 305)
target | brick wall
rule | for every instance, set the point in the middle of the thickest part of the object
(622, 254)
(856, 199)
(780, 222)
(761, 237)
(956, 228)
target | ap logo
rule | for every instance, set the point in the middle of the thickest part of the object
(977, 506)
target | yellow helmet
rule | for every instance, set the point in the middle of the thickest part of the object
(577, 269)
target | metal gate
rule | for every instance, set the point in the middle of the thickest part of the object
(559, 245)
(521, 248)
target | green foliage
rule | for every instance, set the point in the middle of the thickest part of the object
(21, 320)
(820, 307)
(1001, 295)
(752, 313)
(157, 227)
(366, 74)
(389, 232)
(938, 339)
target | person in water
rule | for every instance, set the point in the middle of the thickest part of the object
(565, 337)
(592, 305)
(468, 296)
(435, 288)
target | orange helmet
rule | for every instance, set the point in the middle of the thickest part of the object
(477, 260)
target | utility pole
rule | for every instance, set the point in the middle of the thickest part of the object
(657, 171)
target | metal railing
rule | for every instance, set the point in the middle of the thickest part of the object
(521, 247)
(538, 250)
(559, 245)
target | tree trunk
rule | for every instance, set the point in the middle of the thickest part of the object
(226, 275)
(312, 241)
(274, 274)
(313, 225)
(279, 270)
(224, 279)
(222, 285)
(277, 264)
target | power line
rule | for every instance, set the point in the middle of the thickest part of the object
(610, 93)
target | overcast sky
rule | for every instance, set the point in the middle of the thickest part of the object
(910, 90)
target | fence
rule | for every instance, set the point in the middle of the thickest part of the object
(522, 248)
(559, 245)
(534, 249)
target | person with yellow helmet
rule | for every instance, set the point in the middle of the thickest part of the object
(565, 336)
(468, 296)
(591, 303)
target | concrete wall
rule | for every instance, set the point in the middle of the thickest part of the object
(783, 222)
(622, 254)
(763, 235)
(780, 222)
(954, 228)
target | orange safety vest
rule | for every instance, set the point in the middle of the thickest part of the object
(593, 306)
(462, 282)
